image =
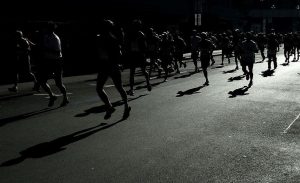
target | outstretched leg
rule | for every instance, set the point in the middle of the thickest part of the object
(101, 79)
(59, 83)
(116, 77)
(143, 68)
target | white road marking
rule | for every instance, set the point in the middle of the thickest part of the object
(45, 94)
(289, 127)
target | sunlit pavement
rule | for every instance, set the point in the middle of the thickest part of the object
(178, 132)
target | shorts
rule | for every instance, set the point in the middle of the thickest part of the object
(205, 58)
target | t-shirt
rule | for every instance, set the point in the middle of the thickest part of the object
(108, 49)
(248, 50)
(195, 40)
(51, 46)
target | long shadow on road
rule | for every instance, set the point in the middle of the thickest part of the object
(229, 71)
(236, 78)
(5, 121)
(102, 109)
(57, 145)
(239, 92)
(185, 75)
(190, 91)
(267, 73)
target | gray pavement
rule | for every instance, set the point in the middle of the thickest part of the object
(219, 133)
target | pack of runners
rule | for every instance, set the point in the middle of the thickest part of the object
(144, 48)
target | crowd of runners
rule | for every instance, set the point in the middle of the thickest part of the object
(148, 50)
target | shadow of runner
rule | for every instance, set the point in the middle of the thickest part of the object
(190, 91)
(267, 73)
(236, 78)
(48, 148)
(185, 75)
(229, 71)
(285, 64)
(5, 121)
(239, 92)
(102, 108)
(217, 67)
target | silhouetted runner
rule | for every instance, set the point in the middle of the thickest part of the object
(273, 48)
(137, 48)
(195, 41)
(206, 45)
(261, 43)
(248, 49)
(21, 60)
(179, 49)
(109, 54)
(52, 64)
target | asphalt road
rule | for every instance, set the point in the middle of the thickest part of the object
(178, 132)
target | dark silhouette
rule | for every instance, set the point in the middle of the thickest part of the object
(239, 92)
(190, 91)
(109, 51)
(267, 73)
(285, 64)
(261, 41)
(248, 48)
(218, 67)
(206, 45)
(136, 49)
(57, 145)
(167, 53)
(230, 71)
(195, 43)
(180, 46)
(52, 64)
(236, 78)
(153, 42)
(236, 41)
(22, 61)
(273, 48)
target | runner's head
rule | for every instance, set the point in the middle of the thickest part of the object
(107, 25)
(19, 34)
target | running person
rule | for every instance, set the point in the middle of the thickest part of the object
(179, 49)
(248, 50)
(225, 46)
(52, 64)
(166, 53)
(261, 43)
(273, 48)
(195, 40)
(153, 42)
(288, 47)
(206, 45)
(236, 41)
(109, 55)
(137, 54)
(22, 61)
